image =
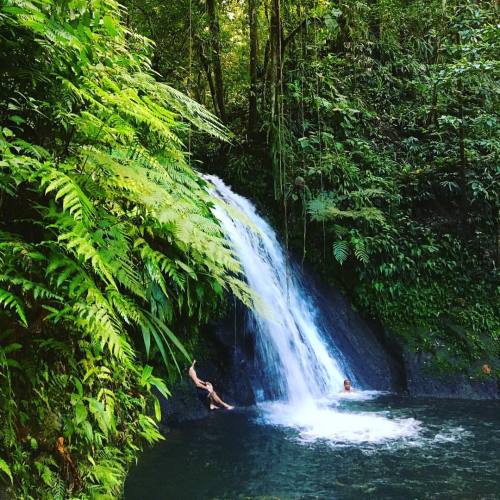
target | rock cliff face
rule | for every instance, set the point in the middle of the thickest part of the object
(376, 362)
(423, 383)
(380, 363)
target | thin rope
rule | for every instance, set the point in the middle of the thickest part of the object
(318, 112)
(281, 160)
(190, 68)
(302, 77)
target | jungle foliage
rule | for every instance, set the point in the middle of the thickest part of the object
(368, 131)
(107, 246)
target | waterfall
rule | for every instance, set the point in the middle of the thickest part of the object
(301, 370)
(297, 362)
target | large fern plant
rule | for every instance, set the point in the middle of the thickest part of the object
(106, 243)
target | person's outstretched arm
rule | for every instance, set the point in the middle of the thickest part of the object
(194, 377)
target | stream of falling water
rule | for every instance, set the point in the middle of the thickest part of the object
(303, 372)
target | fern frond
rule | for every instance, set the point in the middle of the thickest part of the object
(12, 302)
(38, 290)
(4, 467)
(97, 317)
(360, 250)
(340, 251)
(79, 241)
(74, 200)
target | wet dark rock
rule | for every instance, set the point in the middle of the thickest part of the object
(379, 359)
(422, 381)
(383, 362)
(183, 406)
(234, 373)
(375, 360)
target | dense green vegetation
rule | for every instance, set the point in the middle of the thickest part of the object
(106, 243)
(367, 131)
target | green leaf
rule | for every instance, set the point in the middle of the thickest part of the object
(6, 469)
(11, 301)
(80, 412)
(88, 431)
(340, 251)
(157, 410)
(18, 120)
(146, 374)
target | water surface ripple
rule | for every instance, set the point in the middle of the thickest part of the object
(240, 455)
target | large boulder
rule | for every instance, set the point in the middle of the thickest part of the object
(183, 406)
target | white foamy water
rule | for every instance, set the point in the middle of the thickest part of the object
(300, 369)
(321, 422)
(451, 435)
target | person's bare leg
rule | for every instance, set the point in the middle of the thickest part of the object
(217, 401)
(211, 402)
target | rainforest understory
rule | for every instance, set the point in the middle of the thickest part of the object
(366, 131)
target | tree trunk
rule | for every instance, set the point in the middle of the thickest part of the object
(275, 49)
(213, 19)
(252, 95)
(210, 80)
(462, 172)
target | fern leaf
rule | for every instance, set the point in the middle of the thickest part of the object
(340, 251)
(75, 202)
(10, 301)
(360, 250)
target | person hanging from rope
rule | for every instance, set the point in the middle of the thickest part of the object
(206, 391)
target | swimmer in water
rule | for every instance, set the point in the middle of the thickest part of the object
(347, 385)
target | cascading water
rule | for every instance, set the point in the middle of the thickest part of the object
(302, 371)
(297, 362)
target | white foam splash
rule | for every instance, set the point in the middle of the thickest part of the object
(359, 395)
(451, 435)
(315, 422)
